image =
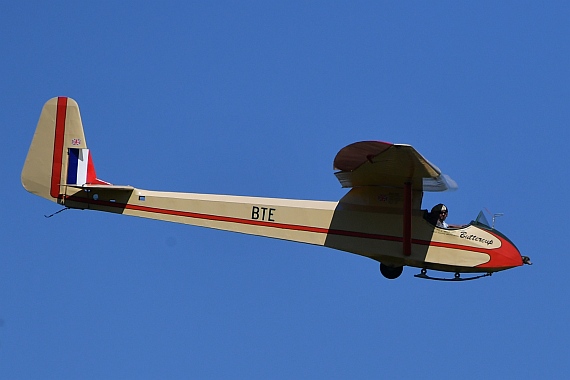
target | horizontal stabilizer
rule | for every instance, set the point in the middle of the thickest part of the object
(103, 187)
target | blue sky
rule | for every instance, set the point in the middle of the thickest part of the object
(256, 98)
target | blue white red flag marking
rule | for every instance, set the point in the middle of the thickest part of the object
(79, 168)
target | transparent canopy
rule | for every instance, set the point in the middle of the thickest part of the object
(482, 219)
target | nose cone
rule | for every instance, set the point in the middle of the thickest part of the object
(505, 257)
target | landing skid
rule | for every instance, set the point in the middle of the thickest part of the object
(457, 277)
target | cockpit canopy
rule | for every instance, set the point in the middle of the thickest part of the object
(482, 219)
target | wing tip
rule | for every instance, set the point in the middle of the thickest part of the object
(354, 155)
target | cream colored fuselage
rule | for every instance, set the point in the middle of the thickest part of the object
(374, 231)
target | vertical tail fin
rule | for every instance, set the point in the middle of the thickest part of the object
(58, 155)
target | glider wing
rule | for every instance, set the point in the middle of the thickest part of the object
(376, 163)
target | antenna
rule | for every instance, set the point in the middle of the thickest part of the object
(496, 216)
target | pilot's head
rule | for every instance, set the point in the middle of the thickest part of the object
(440, 211)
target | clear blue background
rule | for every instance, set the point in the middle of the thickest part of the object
(256, 98)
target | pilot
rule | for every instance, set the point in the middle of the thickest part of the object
(438, 214)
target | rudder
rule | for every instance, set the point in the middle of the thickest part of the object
(59, 135)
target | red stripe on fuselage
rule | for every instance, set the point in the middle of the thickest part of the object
(450, 245)
(58, 146)
(217, 218)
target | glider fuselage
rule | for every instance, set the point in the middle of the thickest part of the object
(371, 231)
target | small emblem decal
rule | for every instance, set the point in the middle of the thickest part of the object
(75, 141)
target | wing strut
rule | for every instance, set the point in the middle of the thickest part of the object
(407, 233)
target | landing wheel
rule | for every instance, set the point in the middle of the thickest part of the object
(391, 272)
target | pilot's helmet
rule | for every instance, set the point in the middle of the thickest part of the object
(439, 208)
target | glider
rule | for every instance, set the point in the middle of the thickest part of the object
(380, 217)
